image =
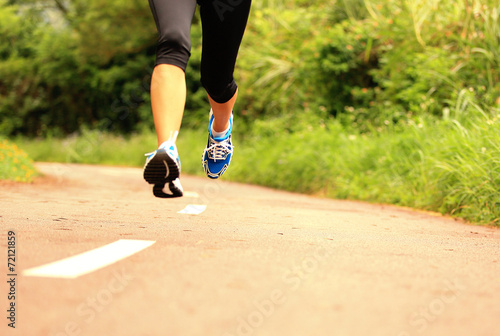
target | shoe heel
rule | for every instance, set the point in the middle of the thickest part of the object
(161, 169)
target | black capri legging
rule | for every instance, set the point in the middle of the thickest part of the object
(223, 24)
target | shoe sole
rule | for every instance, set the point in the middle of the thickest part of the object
(212, 175)
(161, 169)
(175, 192)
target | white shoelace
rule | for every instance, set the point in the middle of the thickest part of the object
(219, 150)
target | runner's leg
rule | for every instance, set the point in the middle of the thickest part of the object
(223, 29)
(168, 84)
(168, 92)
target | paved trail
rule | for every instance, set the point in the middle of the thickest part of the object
(254, 261)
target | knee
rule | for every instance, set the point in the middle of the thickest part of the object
(217, 78)
(165, 72)
(218, 89)
(174, 47)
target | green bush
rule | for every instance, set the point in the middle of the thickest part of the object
(85, 66)
(368, 62)
(15, 165)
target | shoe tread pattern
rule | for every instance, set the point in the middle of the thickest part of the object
(155, 171)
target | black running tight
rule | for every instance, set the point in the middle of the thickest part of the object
(223, 24)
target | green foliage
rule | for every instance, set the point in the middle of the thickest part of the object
(15, 165)
(368, 62)
(420, 73)
(84, 64)
(270, 72)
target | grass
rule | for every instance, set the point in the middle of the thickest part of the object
(15, 165)
(450, 165)
(91, 147)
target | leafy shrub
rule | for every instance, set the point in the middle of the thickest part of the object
(15, 165)
(80, 67)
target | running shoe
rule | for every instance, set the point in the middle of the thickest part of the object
(217, 155)
(163, 168)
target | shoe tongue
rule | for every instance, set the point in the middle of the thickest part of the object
(167, 145)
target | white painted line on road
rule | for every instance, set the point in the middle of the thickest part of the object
(89, 261)
(193, 209)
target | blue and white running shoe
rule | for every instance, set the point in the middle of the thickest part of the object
(218, 153)
(163, 167)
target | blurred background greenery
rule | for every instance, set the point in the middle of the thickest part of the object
(394, 101)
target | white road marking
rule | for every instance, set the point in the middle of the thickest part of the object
(193, 209)
(89, 261)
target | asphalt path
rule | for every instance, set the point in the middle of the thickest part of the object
(234, 260)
